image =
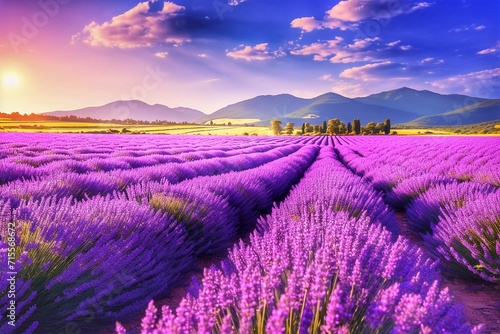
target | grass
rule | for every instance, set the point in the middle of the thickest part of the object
(421, 132)
(78, 127)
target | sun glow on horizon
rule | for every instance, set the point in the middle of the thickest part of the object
(11, 80)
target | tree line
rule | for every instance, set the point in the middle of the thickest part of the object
(334, 126)
(16, 116)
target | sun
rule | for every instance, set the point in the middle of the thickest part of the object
(11, 80)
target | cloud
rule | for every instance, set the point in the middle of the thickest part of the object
(420, 5)
(494, 49)
(361, 44)
(306, 24)
(468, 28)
(257, 52)
(348, 89)
(391, 44)
(336, 51)
(320, 51)
(144, 25)
(203, 55)
(210, 81)
(326, 77)
(348, 13)
(161, 55)
(376, 71)
(233, 2)
(279, 53)
(485, 83)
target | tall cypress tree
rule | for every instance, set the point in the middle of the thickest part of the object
(387, 126)
(303, 128)
(349, 127)
(357, 126)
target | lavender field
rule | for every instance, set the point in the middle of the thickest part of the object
(284, 234)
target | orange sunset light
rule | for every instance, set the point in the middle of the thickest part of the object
(11, 80)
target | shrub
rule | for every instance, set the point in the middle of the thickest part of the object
(468, 240)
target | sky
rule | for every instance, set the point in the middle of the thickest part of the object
(206, 54)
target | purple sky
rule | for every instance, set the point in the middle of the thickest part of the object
(206, 54)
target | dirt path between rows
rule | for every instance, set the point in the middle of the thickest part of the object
(481, 301)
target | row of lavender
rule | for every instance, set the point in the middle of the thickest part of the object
(54, 178)
(326, 260)
(86, 258)
(449, 188)
(28, 156)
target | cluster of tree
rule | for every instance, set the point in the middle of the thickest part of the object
(15, 116)
(333, 127)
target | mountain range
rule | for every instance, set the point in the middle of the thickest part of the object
(403, 105)
(133, 109)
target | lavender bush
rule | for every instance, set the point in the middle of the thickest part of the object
(425, 210)
(468, 239)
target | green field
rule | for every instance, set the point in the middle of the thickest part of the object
(79, 127)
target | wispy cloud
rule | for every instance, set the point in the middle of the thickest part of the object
(348, 89)
(321, 51)
(210, 81)
(362, 44)
(376, 71)
(235, 2)
(479, 83)
(468, 28)
(142, 26)
(257, 52)
(394, 43)
(348, 13)
(338, 51)
(162, 55)
(493, 49)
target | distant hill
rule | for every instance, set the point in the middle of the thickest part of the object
(289, 108)
(265, 107)
(485, 111)
(331, 105)
(420, 102)
(134, 109)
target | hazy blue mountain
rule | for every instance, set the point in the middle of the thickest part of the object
(330, 105)
(134, 109)
(485, 111)
(289, 108)
(420, 102)
(262, 107)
